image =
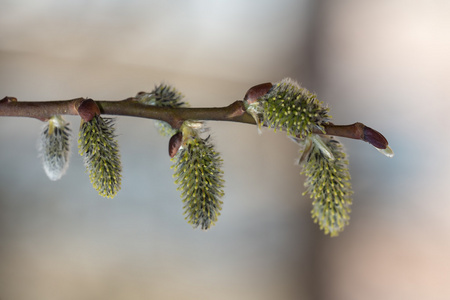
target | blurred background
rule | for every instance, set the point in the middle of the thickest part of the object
(383, 63)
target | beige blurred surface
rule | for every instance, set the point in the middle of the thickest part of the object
(384, 63)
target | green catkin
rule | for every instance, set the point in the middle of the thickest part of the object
(328, 183)
(163, 95)
(199, 177)
(290, 107)
(54, 147)
(100, 150)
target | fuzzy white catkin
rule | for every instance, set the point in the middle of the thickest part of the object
(54, 147)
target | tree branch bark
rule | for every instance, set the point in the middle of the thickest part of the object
(235, 112)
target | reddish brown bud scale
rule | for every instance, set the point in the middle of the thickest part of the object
(88, 109)
(375, 138)
(8, 99)
(175, 143)
(256, 92)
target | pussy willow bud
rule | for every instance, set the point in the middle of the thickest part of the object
(256, 92)
(252, 106)
(54, 147)
(100, 151)
(200, 178)
(328, 182)
(8, 99)
(88, 109)
(377, 140)
(175, 144)
(163, 96)
(289, 107)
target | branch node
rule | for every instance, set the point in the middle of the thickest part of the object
(237, 109)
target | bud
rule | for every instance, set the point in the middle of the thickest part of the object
(88, 109)
(175, 144)
(100, 151)
(8, 99)
(54, 147)
(377, 140)
(256, 92)
(162, 96)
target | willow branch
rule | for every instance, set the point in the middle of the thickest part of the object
(235, 112)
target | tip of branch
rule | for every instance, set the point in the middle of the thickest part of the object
(377, 140)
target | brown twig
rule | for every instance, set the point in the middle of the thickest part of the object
(235, 112)
(357, 131)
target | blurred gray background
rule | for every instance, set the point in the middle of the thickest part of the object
(383, 63)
